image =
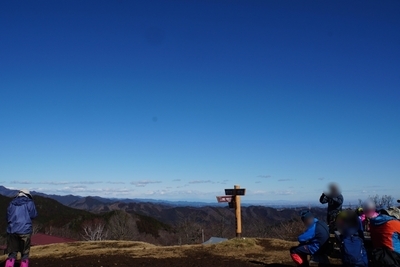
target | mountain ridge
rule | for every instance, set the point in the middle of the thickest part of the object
(158, 223)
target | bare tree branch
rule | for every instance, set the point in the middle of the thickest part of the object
(94, 230)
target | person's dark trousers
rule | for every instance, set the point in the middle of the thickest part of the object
(331, 221)
(299, 255)
(385, 258)
(18, 243)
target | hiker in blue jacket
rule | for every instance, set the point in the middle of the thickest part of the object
(312, 242)
(20, 214)
(350, 237)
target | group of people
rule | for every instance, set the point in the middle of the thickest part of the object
(353, 231)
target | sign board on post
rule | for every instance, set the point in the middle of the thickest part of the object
(240, 192)
(221, 199)
(230, 192)
(235, 192)
(233, 198)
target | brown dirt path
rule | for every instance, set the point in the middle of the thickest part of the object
(233, 253)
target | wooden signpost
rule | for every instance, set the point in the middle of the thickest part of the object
(232, 197)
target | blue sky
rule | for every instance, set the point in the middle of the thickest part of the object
(181, 99)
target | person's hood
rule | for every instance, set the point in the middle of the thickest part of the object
(392, 211)
(19, 201)
(381, 219)
(20, 194)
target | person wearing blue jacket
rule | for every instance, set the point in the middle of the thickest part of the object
(385, 237)
(20, 214)
(312, 241)
(350, 238)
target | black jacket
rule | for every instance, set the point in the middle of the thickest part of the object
(334, 203)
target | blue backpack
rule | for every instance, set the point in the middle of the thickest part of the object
(353, 251)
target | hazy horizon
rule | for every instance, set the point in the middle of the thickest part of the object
(213, 201)
(182, 99)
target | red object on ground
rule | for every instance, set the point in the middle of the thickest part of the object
(297, 259)
(43, 239)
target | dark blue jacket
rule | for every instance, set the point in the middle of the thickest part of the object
(315, 236)
(20, 213)
(352, 248)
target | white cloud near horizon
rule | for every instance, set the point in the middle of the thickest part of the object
(78, 186)
(115, 182)
(143, 183)
(101, 191)
(20, 182)
(269, 193)
(180, 194)
(91, 182)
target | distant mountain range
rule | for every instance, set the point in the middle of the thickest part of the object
(166, 222)
(167, 211)
(69, 199)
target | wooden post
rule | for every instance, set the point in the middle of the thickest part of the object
(232, 196)
(238, 214)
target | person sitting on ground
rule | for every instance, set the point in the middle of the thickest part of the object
(351, 239)
(312, 242)
(369, 212)
(334, 199)
(385, 237)
(20, 214)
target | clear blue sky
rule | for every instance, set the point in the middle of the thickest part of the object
(181, 99)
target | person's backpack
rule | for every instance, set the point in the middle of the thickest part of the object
(392, 211)
(353, 252)
(384, 257)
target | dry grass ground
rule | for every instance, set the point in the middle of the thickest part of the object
(235, 252)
